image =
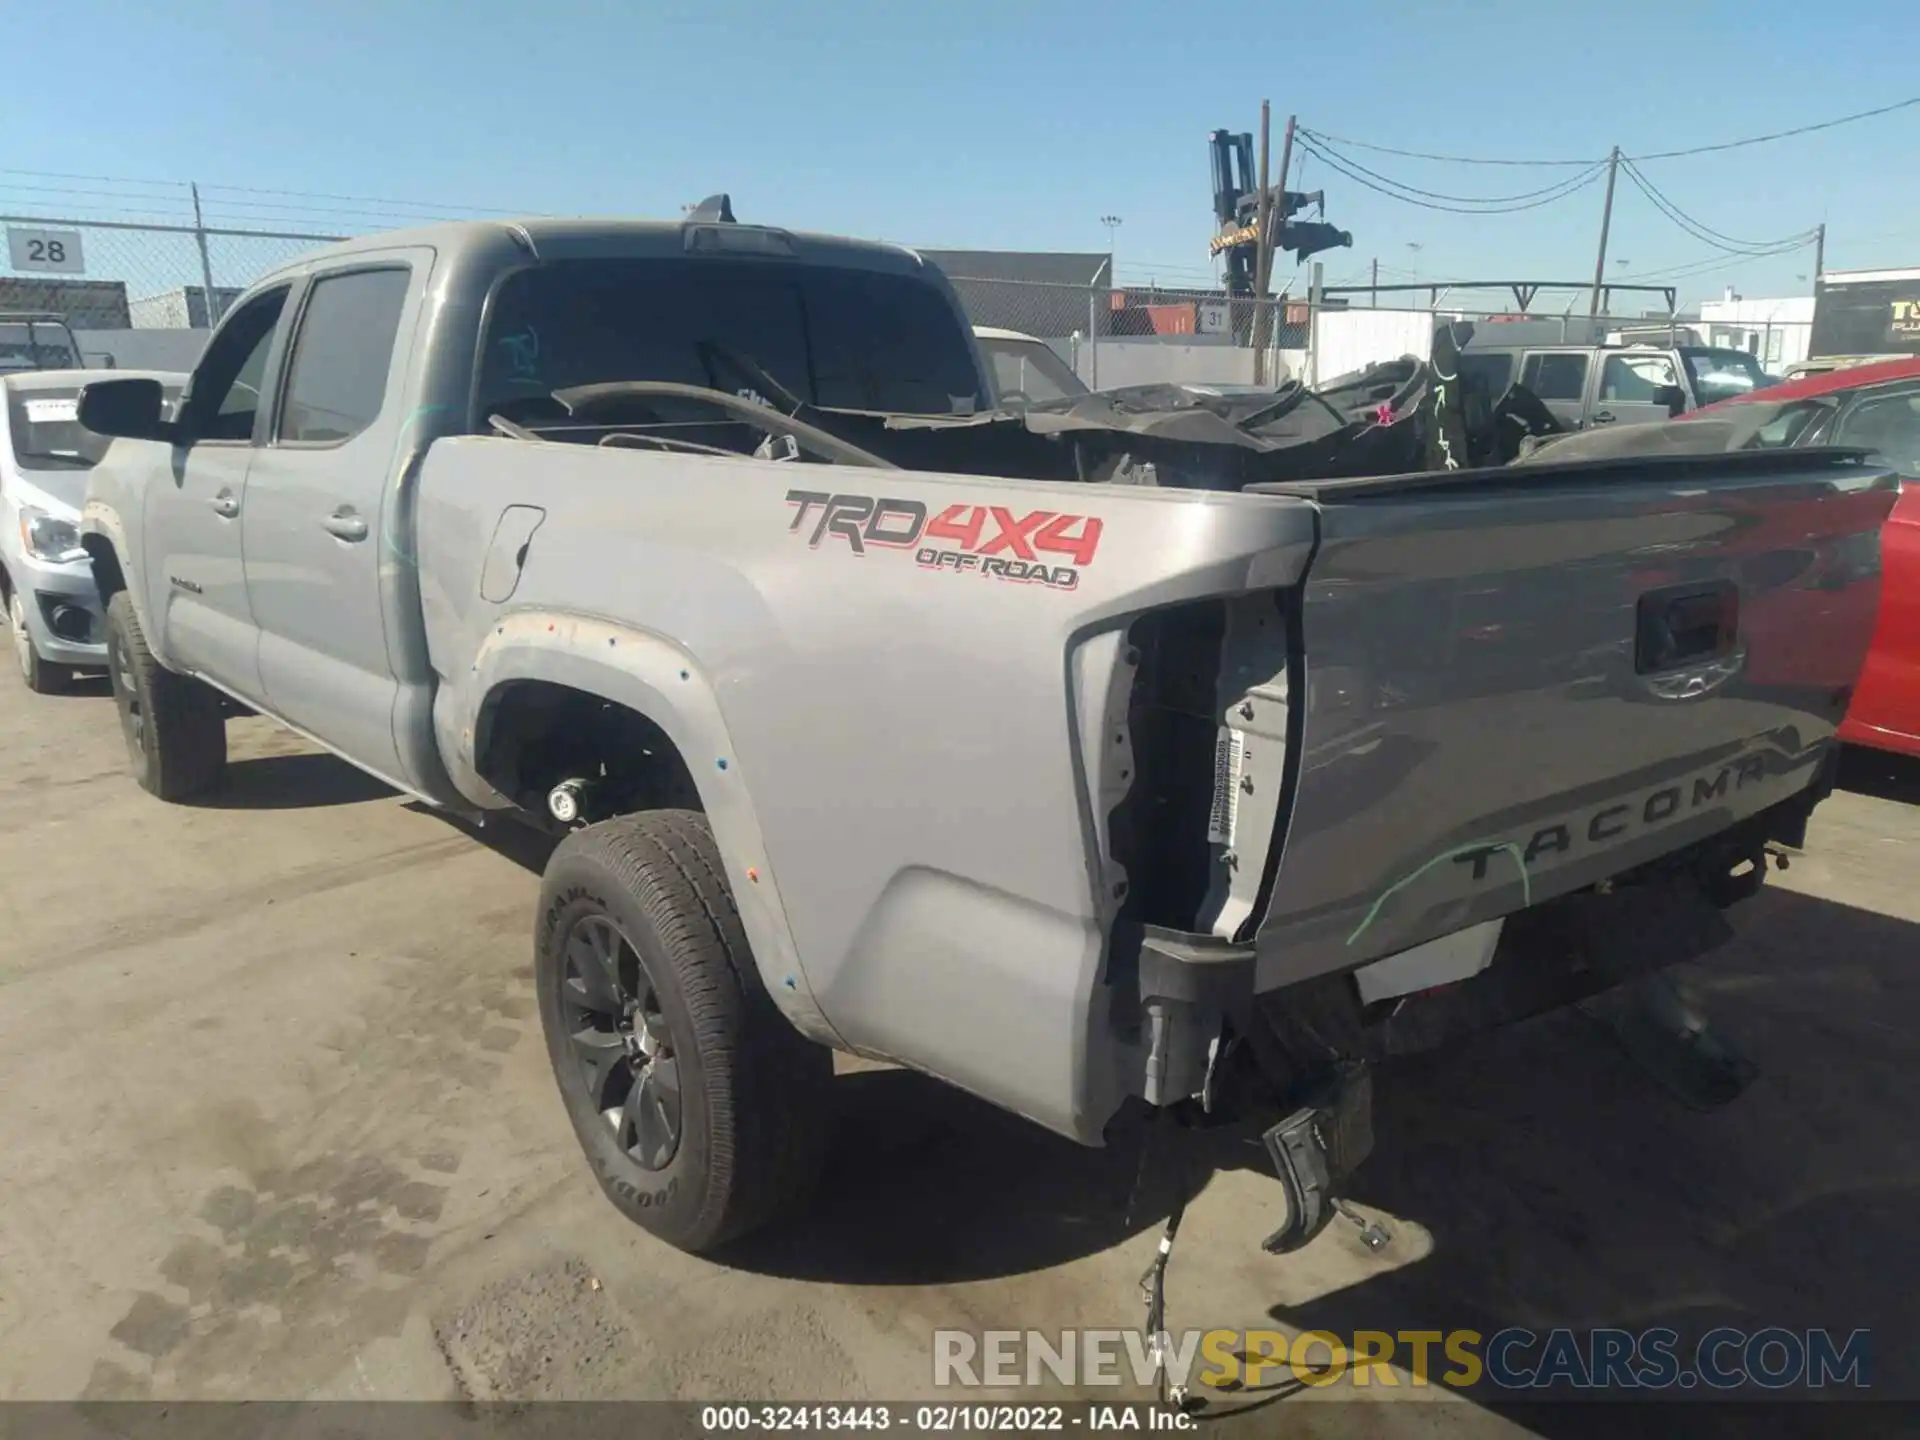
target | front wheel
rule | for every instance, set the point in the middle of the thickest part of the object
(175, 729)
(43, 677)
(703, 1113)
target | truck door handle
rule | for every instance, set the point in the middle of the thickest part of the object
(1603, 417)
(224, 505)
(343, 524)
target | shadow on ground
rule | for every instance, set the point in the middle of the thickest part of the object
(927, 1186)
(1562, 1189)
(292, 782)
(1881, 774)
(94, 687)
(524, 844)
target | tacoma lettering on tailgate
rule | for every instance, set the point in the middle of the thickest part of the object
(987, 540)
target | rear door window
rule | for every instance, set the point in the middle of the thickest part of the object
(1556, 375)
(341, 355)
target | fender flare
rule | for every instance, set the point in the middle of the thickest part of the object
(654, 677)
(100, 521)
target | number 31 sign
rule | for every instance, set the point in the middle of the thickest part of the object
(53, 251)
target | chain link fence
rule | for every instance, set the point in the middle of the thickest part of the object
(1131, 335)
(112, 280)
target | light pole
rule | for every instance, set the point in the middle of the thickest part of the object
(1112, 222)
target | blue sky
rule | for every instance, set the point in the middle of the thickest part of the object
(990, 124)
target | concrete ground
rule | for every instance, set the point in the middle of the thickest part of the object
(277, 1122)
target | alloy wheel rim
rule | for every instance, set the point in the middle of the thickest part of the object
(133, 722)
(623, 1049)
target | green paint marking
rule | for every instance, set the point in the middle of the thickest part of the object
(1519, 861)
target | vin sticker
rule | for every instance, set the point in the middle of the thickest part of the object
(1224, 815)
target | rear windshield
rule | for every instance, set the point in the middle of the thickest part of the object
(839, 338)
(46, 434)
(1722, 374)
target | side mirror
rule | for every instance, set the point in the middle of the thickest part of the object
(1671, 396)
(125, 409)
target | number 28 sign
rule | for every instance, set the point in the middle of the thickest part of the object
(54, 252)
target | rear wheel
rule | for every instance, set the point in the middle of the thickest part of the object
(43, 677)
(702, 1111)
(174, 726)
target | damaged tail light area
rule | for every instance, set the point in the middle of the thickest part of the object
(1159, 831)
(1209, 722)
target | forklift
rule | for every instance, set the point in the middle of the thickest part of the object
(1236, 213)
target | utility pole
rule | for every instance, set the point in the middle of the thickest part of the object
(1373, 285)
(1273, 214)
(1819, 251)
(1262, 214)
(1606, 222)
(206, 265)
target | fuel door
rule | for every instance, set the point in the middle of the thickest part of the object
(507, 554)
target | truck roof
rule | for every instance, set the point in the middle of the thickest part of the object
(610, 238)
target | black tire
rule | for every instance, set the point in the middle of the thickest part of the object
(175, 731)
(43, 677)
(751, 1093)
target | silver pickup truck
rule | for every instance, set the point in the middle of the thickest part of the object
(882, 722)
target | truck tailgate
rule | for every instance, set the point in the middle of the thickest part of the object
(1518, 684)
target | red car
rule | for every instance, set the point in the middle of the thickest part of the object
(1876, 407)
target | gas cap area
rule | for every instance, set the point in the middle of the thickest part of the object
(507, 554)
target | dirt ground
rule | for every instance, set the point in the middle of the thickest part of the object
(278, 1123)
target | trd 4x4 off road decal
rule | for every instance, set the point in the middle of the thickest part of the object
(985, 540)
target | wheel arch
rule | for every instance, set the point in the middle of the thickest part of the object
(654, 691)
(105, 543)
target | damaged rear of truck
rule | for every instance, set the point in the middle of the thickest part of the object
(1084, 796)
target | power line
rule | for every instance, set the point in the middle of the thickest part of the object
(177, 187)
(209, 190)
(1558, 185)
(1704, 233)
(1783, 134)
(1393, 190)
(1325, 138)
(1688, 269)
(1742, 143)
